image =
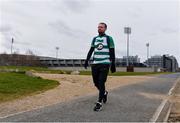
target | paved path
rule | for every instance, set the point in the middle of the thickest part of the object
(124, 104)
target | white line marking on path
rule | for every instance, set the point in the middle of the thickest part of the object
(163, 103)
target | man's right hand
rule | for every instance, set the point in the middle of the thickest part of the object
(86, 64)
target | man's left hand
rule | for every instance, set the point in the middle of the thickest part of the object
(113, 68)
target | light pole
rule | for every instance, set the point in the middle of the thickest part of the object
(127, 30)
(147, 45)
(57, 48)
(12, 41)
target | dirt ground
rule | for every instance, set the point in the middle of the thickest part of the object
(175, 111)
(71, 87)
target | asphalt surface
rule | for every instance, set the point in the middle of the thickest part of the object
(124, 104)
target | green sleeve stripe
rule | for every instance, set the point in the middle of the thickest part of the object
(111, 42)
(92, 43)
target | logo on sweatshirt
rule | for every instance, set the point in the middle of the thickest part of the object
(100, 46)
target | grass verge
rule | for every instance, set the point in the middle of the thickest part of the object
(47, 70)
(35, 69)
(16, 85)
(127, 73)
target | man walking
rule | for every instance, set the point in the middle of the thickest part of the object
(103, 59)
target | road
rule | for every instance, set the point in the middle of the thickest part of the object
(125, 104)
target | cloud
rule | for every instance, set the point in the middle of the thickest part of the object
(5, 29)
(165, 30)
(70, 6)
(77, 5)
(8, 32)
(71, 24)
(170, 30)
(134, 12)
(65, 29)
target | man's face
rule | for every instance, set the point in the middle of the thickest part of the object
(101, 28)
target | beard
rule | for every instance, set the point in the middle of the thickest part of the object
(101, 32)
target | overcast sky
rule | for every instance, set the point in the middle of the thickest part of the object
(41, 25)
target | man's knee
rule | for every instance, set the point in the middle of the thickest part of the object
(102, 85)
(96, 84)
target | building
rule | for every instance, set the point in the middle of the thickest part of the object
(19, 60)
(131, 59)
(53, 62)
(166, 62)
(156, 60)
(30, 60)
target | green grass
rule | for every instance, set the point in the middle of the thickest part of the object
(25, 68)
(46, 70)
(16, 85)
(36, 69)
(127, 73)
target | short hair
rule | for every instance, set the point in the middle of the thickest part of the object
(105, 25)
